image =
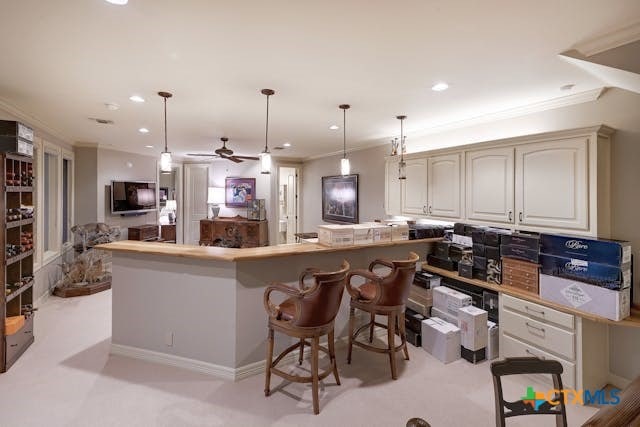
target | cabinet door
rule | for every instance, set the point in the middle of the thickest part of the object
(392, 188)
(444, 183)
(414, 191)
(552, 184)
(490, 182)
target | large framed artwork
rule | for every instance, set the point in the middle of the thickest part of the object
(239, 191)
(340, 199)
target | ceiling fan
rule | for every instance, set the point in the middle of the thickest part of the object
(225, 153)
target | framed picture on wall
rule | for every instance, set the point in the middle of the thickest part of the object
(164, 194)
(239, 191)
(340, 199)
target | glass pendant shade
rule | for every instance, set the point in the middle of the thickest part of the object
(165, 162)
(265, 162)
(345, 167)
(402, 170)
(265, 156)
(165, 156)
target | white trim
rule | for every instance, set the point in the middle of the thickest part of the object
(42, 299)
(610, 40)
(34, 121)
(618, 381)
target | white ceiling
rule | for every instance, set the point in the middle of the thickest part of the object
(63, 59)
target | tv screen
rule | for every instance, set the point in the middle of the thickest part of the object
(133, 197)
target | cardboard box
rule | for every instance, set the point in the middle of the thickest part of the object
(614, 305)
(426, 280)
(444, 316)
(362, 234)
(399, 232)
(602, 251)
(493, 341)
(472, 322)
(413, 320)
(449, 300)
(606, 276)
(13, 324)
(419, 307)
(381, 233)
(421, 295)
(441, 339)
(473, 356)
(335, 235)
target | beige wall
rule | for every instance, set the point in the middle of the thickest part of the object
(617, 108)
(86, 175)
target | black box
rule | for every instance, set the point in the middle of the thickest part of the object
(494, 271)
(468, 230)
(479, 249)
(490, 304)
(516, 252)
(521, 240)
(16, 137)
(492, 252)
(442, 249)
(445, 264)
(473, 356)
(459, 253)
(480, 274)
(413, 320)
(492, 236)
(478, 234)
(425, 231)
(426, 280)
(458, 228)
(465, 270)
(414, 338)
(479, 263)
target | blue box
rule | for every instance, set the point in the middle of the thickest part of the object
(602, 251)
(603, 275)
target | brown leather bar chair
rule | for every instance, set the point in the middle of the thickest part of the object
(528, 365)
(307, 314)
(384, 296)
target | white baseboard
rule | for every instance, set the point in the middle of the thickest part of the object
(618, 381)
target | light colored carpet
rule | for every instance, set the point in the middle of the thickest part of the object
(68, 378)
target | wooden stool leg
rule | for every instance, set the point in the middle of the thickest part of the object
(373, 320)
(352, 314)
(314, 374)
(332, 355)
(391, 333)
(403, 335)
(301, 355)
(267, 380)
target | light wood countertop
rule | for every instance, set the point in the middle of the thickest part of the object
(232, 255)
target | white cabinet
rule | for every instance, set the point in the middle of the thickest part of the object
(552, 184)
(443, 186)
(414, 191)
(490, 185)
(392, 188)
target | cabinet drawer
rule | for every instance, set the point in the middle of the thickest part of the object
(540, 334)
(538, 311)
(17, 342)
(512, 347)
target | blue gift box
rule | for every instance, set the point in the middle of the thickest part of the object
(603, 275)
(602, 251)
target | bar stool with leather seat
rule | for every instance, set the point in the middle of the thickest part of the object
(308, 313)
(384, 296)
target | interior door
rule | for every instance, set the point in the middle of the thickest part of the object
(490, 185)
(444, 184)
(196, 177)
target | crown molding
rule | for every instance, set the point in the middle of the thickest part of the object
(87, 144)
(34, 121)
(611, 40)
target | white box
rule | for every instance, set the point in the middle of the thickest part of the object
(381, 232)
(493, 349)
(444, 316)
(335, 235)
(449, 300)
(441, 339)
(614, 305)
(472, 322)
(399, 232)
(362, 234)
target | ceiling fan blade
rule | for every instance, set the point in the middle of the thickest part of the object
(247, 157)
(202, 155)
(233, 159)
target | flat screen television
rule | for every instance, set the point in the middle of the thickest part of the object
(133, 197)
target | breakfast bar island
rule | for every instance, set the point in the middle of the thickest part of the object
(201, 307)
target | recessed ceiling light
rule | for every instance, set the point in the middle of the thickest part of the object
(112, 106)
(148, 146)
(439, 87)
(567, 87)
(143, 130)
(286, 144)
(136, 98)
(334, 127)
(118, 2)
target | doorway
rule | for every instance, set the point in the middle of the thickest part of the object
(288, 218)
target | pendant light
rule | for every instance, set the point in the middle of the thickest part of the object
(402, 166)
(165, 156)
(345, 166)
(265, 156)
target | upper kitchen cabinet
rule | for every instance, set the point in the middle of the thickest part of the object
(552, 183)
(490, 185)
(414, 190)
(392, 188)
(444, 186)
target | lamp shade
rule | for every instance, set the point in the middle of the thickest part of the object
(215, 195)
(172, 205)
(165, 162)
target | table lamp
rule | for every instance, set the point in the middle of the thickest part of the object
(171, 206)
(215, 197)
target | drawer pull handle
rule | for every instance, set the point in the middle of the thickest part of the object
(533, 354)
(27, 332)
(13, 345)
(541, 312)
(534, 327)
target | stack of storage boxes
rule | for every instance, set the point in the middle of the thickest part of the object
(520, 254)
(593, 275)
(420, 295)
(361, 234)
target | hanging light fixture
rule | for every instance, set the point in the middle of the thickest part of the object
(345, 166)
(165, 156)
(265, 156)
(402, 166)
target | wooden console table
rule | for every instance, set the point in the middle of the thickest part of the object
(234, 232)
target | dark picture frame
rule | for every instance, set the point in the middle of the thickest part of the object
(340, 199)
(239, 191)
(163, 194)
